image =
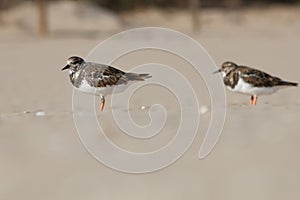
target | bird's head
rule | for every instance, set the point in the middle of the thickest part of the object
(73, 63)
(227, 67)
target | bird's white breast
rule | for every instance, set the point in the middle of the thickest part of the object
(247, 88)
(86, 88)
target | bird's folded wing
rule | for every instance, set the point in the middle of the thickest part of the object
(258, 78)
(104, 75)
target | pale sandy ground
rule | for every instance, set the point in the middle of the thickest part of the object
(257, 156)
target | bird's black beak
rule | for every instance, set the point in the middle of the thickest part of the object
(218, 71)
(66, 67)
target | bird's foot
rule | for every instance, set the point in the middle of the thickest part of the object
(102, 103)
(255, 100)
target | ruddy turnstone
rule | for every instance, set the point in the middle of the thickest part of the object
(99, 79)
(251, 81)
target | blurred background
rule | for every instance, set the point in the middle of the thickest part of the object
(41, 156)
(88, 18)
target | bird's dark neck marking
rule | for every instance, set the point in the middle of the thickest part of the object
(75, 72)
(231, 79)
(76, 78)
(72, 76)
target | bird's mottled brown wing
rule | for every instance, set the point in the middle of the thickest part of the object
(98, 75)
(258, 78)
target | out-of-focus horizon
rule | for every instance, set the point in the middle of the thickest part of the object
(88, 18)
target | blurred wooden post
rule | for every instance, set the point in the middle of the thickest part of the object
(233, 3)
(1, 8)
(42, 15)
(194, 9)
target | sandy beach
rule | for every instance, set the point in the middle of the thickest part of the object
(256, 157)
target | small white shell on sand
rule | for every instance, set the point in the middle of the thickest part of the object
(143, 107)
(203, 109)
(40, 113)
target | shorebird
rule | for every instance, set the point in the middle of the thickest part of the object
(99, 79)
(251, 81)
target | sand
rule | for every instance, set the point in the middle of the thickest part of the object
(257, 156)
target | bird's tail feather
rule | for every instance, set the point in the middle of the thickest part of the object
(137, 77)
(286, 83)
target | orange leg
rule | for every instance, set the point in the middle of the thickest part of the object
(102, 103)
(255, 100)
